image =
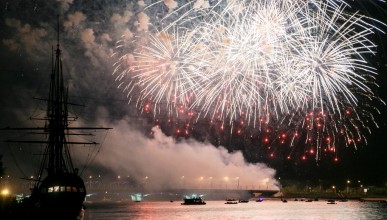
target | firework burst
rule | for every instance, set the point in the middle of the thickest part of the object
(299, 64)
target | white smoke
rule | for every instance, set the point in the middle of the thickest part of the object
(65, 4)
(74, 20)
(171, 4)
(142, 22)
(201, 4)
(161, 162)
(27, 37)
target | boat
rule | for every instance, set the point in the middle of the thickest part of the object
(331, 201)
(231, 201)
(243, 201)
(137, 197)
(259, 199)
(58, 191)
(193, 200)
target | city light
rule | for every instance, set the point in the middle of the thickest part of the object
(5, 192)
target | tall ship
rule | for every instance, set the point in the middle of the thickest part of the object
(58, 191)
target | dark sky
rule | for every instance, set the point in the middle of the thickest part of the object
(89, 32)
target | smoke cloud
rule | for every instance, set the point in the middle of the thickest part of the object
(171, 4)
(161, 162)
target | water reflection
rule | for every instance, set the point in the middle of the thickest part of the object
(269, 209)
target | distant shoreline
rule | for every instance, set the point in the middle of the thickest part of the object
(338, 198)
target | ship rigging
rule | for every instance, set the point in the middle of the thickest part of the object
(59, 191)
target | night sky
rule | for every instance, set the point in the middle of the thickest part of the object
(88, 33)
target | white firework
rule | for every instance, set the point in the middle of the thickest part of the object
(249, 59)
(330, 58)
(163, 70)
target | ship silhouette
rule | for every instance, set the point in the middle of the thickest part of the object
(58, 191)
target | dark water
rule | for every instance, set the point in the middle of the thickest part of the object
(272, 209)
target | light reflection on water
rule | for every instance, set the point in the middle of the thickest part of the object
(252, 210)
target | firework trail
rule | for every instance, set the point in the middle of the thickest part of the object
(298, 63)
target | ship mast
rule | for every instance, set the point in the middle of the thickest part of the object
(56, 158)
(59, 160)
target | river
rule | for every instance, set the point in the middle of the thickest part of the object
(268, 209)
